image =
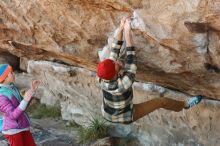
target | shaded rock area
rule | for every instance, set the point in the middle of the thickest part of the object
(56, 132)
(9, 58)
(50, 132)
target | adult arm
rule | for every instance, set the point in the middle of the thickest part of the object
(130, 64)
(117, 43)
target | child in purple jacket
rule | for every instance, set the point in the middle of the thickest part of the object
(16, 124)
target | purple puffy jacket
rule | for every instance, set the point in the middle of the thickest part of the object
(13, 106)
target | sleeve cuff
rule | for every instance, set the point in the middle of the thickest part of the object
(132, 48)
(118, 42)
(23, 105)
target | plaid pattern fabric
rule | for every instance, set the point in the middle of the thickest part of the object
(118, 94)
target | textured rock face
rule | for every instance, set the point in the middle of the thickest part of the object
(8, 58)
(75, 89)
(178, 48)
(78, 93)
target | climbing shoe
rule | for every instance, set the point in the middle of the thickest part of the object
(193, 101)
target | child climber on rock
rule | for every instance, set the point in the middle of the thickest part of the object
(16, 123)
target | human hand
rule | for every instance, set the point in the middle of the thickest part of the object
(29, 93)
(34, 85)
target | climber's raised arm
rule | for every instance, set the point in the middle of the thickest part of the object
(117, 43)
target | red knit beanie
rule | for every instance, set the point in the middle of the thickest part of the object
(106, 69)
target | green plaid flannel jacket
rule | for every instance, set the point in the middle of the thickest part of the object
(117, 104)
